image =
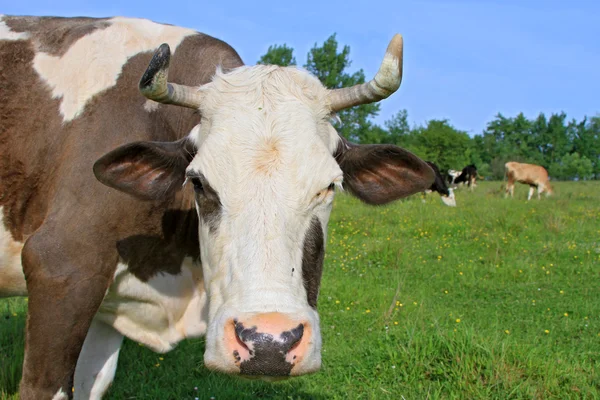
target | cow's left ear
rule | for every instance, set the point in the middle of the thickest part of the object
(380, 173)
(146, 170)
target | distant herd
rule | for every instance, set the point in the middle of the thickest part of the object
(528, 174)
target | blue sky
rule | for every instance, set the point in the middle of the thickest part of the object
(464, 60)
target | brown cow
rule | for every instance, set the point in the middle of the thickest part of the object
(237, 259)
(530, 174)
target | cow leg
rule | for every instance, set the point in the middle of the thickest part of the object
(67, 279)
(531, 189)
(97, 362)
(510, 187)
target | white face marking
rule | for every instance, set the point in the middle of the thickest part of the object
(265, 146)
(12, 280)
(7, 34)
(98, 66)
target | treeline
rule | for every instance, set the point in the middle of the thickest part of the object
(568, 149)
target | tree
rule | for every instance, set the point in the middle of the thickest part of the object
(586, 141)
(572, 166)
(329, 65)
(441, 143)
(557, 138)
(278, 55)
(398, 128)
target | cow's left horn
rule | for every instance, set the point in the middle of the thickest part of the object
(386, 82)
(154, 83)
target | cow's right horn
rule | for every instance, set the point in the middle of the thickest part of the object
(154, 83)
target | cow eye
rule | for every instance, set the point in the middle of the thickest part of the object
(321, 195)
(198, 188)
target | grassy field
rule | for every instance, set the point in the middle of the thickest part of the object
(494, 299)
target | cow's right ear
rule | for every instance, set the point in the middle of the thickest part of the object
(381, 173)
(146, 170)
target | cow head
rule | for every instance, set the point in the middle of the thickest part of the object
(266, 163)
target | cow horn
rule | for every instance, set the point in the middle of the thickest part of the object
(154, 83)
(386, 82)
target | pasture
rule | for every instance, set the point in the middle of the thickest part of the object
(492, 299)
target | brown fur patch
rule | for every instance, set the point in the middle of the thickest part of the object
(29, 132)
(55, 35)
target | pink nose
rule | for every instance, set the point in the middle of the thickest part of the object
(268, 344)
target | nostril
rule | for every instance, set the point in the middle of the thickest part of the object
(240, 335)
(293, 337)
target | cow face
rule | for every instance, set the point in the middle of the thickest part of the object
(267, 163)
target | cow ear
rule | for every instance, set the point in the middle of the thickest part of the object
(146, 170)
(379, 174)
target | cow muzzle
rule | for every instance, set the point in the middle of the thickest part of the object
(269, 346)
(449, 200)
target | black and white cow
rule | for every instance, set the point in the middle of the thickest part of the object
(439, 186)
(468, 176)
(452, 175)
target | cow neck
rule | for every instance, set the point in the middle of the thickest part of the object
(164, 249)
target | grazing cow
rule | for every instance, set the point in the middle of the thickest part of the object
(530, 174)
(439, 185)
(468, 176)
(236, 255)
(452, 175)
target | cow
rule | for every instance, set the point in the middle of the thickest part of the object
(530, 174)
(439, 186)
(468, 176)
(452, 175)
(196, 208)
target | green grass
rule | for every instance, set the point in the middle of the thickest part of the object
(494, 299)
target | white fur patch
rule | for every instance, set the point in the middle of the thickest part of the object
(94, 63)
(7, 34)
(151, 105)
(60, 395)
(12, 280)
(158, 313)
